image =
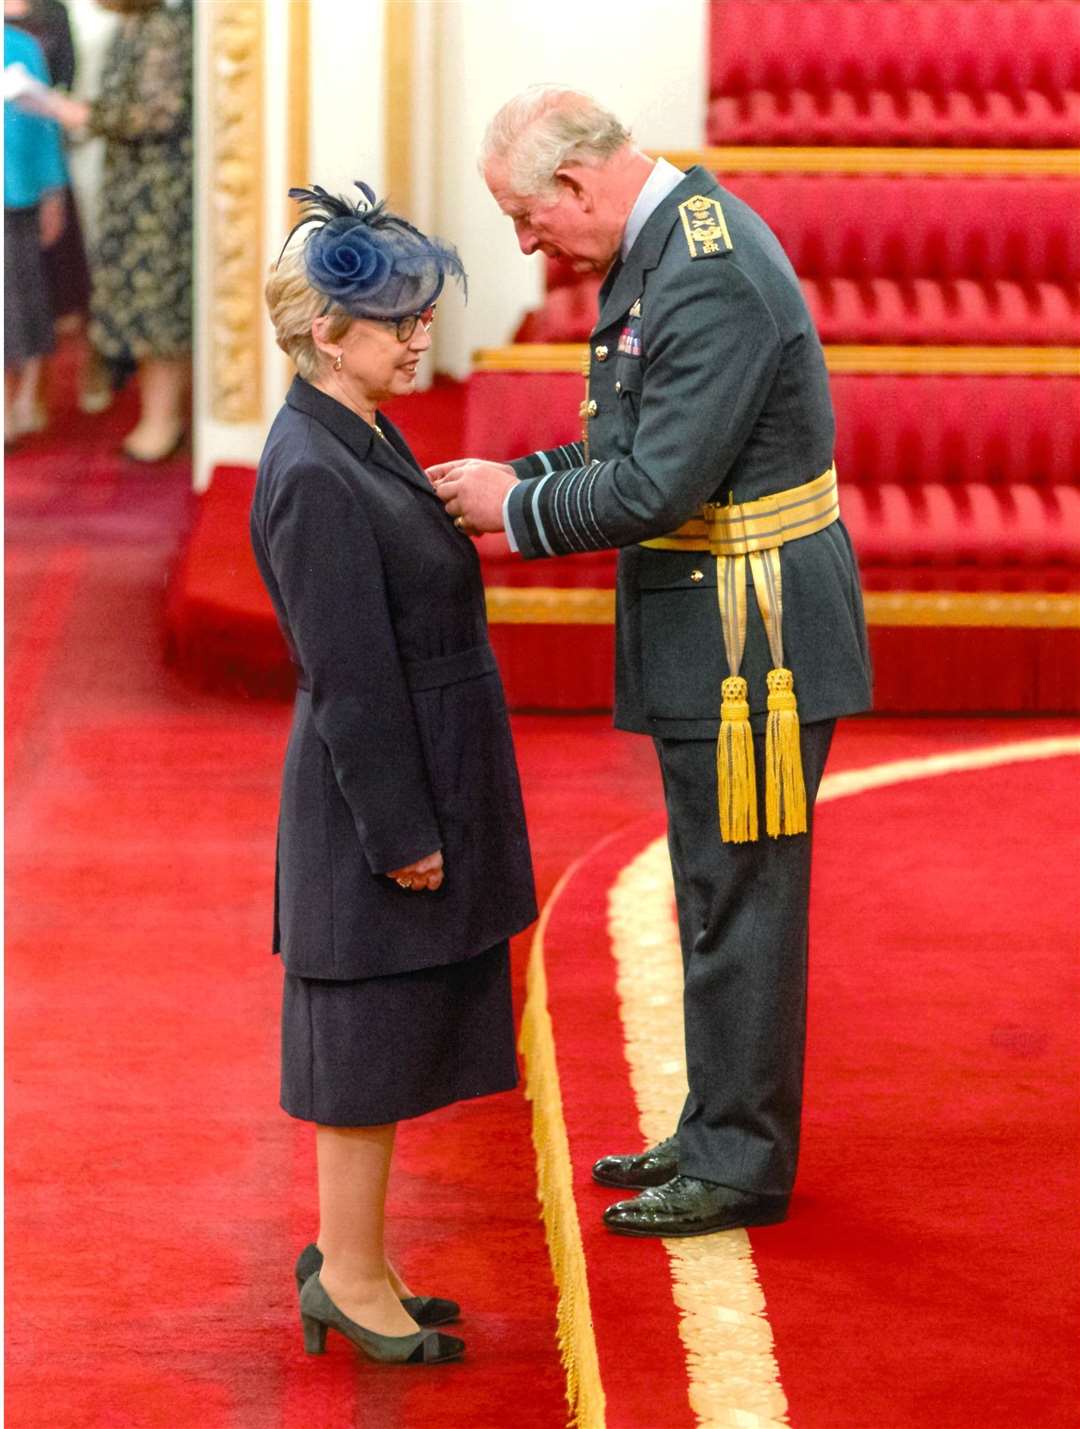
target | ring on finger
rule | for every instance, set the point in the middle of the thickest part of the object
(459, 522)
(404, 882)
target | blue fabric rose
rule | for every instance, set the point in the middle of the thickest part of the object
(346, 262)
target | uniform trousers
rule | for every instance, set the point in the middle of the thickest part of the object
(743, 913)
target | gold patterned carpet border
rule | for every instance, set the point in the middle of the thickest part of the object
(733, 1375)
(734, 1381)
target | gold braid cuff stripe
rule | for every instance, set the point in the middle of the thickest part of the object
(592, 605)
(823, 159)
(868, 359)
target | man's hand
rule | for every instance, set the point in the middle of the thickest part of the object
(424, 873)
(473, 492)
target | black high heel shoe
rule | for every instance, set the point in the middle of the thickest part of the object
(426, 1310)
(318, 1313)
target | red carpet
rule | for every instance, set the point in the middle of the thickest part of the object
(156, 1196)
(928, 1273)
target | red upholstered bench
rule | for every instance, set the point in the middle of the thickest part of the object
(957, 259)
(956, 475)
(964, 73)
(962, 495)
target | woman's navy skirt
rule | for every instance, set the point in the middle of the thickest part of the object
(387, 1048)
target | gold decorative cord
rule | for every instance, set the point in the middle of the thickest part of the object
(555, 1189)
(733, 1376)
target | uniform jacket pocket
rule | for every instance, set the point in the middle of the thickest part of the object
(680, 618)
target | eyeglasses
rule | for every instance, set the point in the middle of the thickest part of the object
(405, 327)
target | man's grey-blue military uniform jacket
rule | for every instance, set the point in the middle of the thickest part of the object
(708, 383)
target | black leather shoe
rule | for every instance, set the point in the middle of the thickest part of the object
(687, 1206)
(647, 1168)
(426, 1310)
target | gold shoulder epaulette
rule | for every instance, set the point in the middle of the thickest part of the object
(705, 227)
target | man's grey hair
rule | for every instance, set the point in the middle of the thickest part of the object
(539, 130)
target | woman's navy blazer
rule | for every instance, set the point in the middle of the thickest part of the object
(400, 742)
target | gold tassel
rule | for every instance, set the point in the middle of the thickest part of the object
(735, 766)
(785, 792)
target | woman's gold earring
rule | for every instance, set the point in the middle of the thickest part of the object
(337, 363)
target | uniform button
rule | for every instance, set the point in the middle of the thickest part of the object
(591, 409)
(618, 387)
(696, 576)
(601, 353)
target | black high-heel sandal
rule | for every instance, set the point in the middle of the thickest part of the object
(427, 1310)
(318, 1313)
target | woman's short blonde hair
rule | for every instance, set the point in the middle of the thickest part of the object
(294, 305)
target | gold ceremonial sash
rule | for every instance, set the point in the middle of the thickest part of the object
(755, 531)
(760, 525)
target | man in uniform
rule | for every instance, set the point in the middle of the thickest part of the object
(707, 460)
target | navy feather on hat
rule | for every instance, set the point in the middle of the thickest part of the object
(369, 261)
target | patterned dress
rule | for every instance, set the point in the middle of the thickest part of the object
(141, 303)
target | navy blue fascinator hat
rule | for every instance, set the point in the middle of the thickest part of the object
(369, 261)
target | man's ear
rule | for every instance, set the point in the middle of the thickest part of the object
(573, 180)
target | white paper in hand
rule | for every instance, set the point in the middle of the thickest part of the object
(28, 93)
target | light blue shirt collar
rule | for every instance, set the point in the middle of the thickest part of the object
(663, 178)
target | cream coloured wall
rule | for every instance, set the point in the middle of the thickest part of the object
(646, 61)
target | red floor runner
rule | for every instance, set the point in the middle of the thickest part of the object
(156, 1195)
(929, 1272)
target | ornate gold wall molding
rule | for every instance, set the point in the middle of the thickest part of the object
(236, 239)
(399, 43)
(299, 135)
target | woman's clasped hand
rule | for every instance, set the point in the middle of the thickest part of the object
(425, 873)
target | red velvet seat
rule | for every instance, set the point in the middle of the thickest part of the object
(948, 484)
(963, 73)
(961, 260)
(948, 473)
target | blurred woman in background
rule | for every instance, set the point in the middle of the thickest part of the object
(141, 300)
